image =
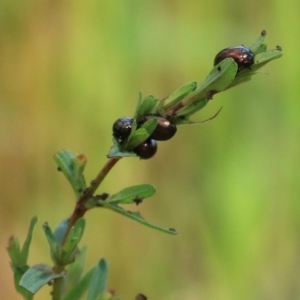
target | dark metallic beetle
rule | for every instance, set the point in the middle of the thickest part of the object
(147, 149)
(164, 129)
(122, 128)
(243, 56)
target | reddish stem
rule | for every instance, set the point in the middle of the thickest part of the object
(80, 208)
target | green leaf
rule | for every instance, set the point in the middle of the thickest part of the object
(189, 110)
(14, 252)
(263, 58)
(132, 132)
(64, 255)
(19, 267)
(132, 194)
(140, 100)
(72, 167)
(69, 248)
(98, 282)
(179, 94)
(258, 46)
(139, 136)
(146, 106)
(218, 80)
(80, 163)
(221, 76)
(136, 217)
(260, 49)
(75, 232)
(55, 249)
(142, 134)
(60, 230)
(19, 258)
(75, 270)
(115, 151)
(37, 276)
(26, 245)
(19, 272)
(150, 125)
(81, 287)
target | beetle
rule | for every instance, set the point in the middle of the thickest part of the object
(164, 130)
(147, 149)
(122, 128)
(243, 56)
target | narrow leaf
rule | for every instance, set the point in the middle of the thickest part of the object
(136, 217)
(81, 287)
(98, 282)
(75, 232)
(19, 272)
(60, 230)
(146, 106)
(150, 125)
(256, 47)
(132, 194)
(80, 163)
(75, 269)
(14, 252)
(189, 110)
(179, 94)
(69, 248)
(265, 57)
(140, 100)
(221, 76)
(54, 244)
(262, 48)
(72, 167)
(138, 137)
(64, 160)
(132, 132)
(19, 259)
(26, 245)
(19, 256)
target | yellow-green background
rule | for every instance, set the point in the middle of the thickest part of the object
(69, 69)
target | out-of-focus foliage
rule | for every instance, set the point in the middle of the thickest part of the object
(69, 69)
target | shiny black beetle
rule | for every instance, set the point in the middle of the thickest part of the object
(122, 128)
(147, 149)
(164, 130)
(243, 56)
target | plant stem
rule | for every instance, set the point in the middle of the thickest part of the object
(80, 209)
(99, 178)
(172, 111)
(57, 288)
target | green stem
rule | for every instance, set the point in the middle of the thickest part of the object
(57, 288)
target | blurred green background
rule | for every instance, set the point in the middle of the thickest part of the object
(69, 69)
